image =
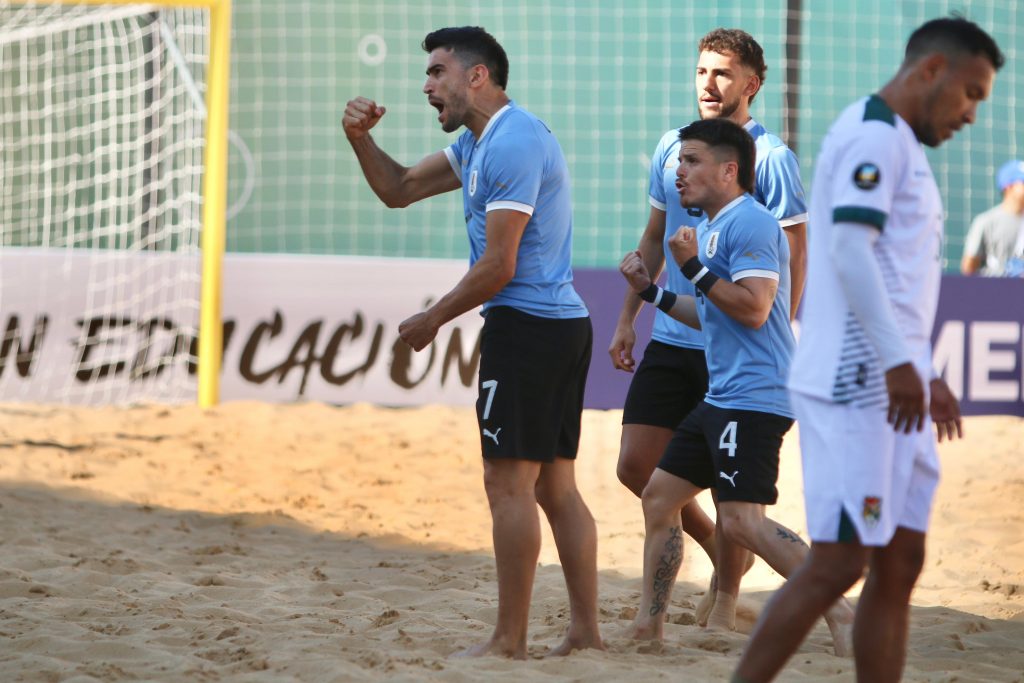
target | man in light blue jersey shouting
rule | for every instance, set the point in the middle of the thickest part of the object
(536, 339)
(672, 377)
(737, 259)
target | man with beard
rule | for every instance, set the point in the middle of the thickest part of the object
(672, 377)
(862, 383)
(536, 339)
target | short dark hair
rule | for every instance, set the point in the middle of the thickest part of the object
(952, 36)
(472, 45)
(723, 133)
(739, 43)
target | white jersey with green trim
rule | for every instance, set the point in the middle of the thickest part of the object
(873, 171)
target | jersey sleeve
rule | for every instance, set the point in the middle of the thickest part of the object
(782, 188)
(754, 248)
(514, 168)
(656, 177)
(865, 175)
(454, 154)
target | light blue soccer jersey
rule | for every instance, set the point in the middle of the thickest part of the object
(518, 164)
(777, 185)
(748, 368)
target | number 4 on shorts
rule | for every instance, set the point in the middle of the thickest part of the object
(727, 441)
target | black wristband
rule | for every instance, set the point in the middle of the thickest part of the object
(662, 298)
(692, 267)
(699, 274)
(668, 300)
(649, 294)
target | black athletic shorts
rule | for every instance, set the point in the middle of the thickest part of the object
(669, 382)
(733, 451)
(533, 372)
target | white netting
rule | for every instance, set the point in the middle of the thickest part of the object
(608, 77)
(101, 151)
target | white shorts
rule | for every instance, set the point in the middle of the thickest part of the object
(855, 462)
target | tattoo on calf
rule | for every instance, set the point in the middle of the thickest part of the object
(789, 535)
(668, 567)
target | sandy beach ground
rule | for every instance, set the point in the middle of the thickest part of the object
(257, 542)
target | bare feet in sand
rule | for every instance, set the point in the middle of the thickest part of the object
(576, 642)
(723, 614)
(646, 629)
(495, 647)
(707, 602)
(498, 648)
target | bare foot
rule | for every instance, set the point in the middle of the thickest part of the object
(707, 602)
(723, 615)
(491, 647)
(840, 622)
(646, 630)
(573, 642)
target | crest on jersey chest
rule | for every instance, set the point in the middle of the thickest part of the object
(472, 182)
(711, 248)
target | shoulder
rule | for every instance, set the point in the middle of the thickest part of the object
(771, 150)
(768, 143)
(756, 215)
(519, 121)
(668, 142)
(751, 218)
(671, 137)
(993, 215)
(520, 130)
(870, 121)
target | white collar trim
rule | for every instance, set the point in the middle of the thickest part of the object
(725, 209)
(494, 118)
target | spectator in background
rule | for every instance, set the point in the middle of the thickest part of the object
(997, 235)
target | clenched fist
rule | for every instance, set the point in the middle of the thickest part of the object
(683, 244)
(360, 116)
(633, 269)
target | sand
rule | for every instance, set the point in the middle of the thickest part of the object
(257, 542)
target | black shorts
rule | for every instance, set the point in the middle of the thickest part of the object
(669, 382)
(533, 372)
(733, 451)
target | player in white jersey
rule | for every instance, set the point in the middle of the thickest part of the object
(536, 340)
(672, 377)
(738, 261)
(862, 381)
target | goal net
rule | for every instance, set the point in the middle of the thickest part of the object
(101, 163)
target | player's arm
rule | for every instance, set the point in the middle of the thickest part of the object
(851, 252)
(783, 192)
(748, 300)
(482, 281)
(970, 265)
(652, 254)
(396, 185)
(796, 235)
(682, 308)
(973, 256)
(863, 185)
